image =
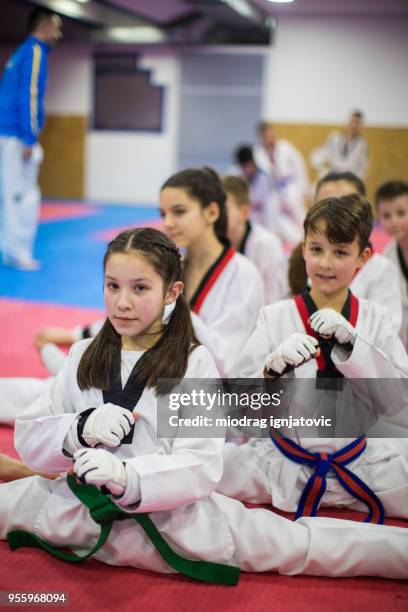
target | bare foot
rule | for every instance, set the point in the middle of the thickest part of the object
(12, 469)
(55, 335)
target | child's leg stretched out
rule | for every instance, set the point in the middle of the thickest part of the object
(256, 540)
(18, 393)
(12, 469)
(315, 546)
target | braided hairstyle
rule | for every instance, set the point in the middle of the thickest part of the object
(168, 358)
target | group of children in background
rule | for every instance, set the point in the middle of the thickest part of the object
(339, 311)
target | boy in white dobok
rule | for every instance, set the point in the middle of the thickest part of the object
(254, 241)
(326, 332)
(392, 207)
(377, 279)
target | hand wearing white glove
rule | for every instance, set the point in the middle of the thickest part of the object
(107, 425)
(294, 351)
(99, 467)
(327, 323)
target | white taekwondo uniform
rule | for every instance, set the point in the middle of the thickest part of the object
(177, 478)
(264, 249)
(257, 471)
(339, 155)
(377, 281)
(394, 255)
(226, 305)
(291, 182)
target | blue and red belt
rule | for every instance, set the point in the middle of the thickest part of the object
(321, 463)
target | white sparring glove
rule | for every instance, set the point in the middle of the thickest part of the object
(99, 467)
(294, 351)
(327, 323)
(107, 425)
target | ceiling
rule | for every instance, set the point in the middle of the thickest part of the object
(182, 21)
(165, 10)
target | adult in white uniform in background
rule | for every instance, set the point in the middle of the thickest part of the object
(263, 194)
(327, 333)
(392, 207)
(343, 151)
(22, 91)
(116, 446)
(260, 245)
(377, 280)
(285, 164)
(224, 288)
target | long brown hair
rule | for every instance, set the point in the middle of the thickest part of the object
(297, 275)
(168, 358)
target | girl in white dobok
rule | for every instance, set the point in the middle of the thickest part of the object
(224, 288)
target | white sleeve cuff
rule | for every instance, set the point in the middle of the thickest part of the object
(71, 442)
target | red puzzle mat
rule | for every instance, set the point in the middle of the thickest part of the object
(94, 586)
(21, 320)
(110, 234)
(65, 210)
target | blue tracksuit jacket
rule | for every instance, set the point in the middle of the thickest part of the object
(22, 90)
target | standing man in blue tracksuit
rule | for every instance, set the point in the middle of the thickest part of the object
(22, 90)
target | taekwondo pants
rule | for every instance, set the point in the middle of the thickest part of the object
(16, 394)
(257, 540)
(19, 199)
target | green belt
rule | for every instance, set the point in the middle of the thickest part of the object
(103, 511)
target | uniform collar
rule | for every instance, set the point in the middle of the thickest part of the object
(248, 229)
(44, 45)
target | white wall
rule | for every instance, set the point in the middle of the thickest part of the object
(131, 166)
(124, 167)
(319, 68)
(69, 80)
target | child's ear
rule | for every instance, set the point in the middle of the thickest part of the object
(173, 292)
(364, 257)
(245, 212)
(302, 248)
(212, 212)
